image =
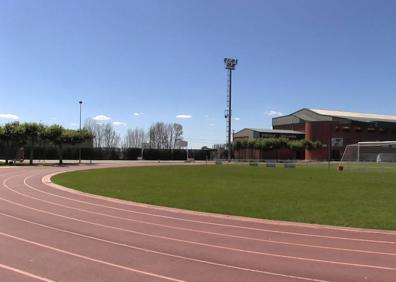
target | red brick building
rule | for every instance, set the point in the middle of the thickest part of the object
(336, 129)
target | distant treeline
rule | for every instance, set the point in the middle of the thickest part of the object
(160, 135)
(35, 141)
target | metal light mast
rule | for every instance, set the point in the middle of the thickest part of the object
(230, 66)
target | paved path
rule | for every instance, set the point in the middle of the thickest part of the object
(50, 234)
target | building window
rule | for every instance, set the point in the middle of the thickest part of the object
(371, 129)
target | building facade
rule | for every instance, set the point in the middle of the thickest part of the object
(337, 129)
(251, 134)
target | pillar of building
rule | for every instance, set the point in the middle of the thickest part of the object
(319, 131)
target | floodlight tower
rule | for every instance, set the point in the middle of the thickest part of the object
(230, 66)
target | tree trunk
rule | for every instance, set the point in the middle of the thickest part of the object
(60, 153)
(7, 153)
(31, 153)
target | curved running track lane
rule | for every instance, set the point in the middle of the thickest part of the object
(53, 234)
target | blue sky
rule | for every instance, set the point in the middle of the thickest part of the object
(164, 58)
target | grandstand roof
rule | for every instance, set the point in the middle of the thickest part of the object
(306, 114)
(355, 115)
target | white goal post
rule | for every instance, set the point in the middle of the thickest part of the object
(376, 151)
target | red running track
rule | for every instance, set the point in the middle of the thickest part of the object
(50, 233)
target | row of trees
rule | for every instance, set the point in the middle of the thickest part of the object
(104, 135)
(164, 135)
(160, 135)
(267, 144)
(14, 135)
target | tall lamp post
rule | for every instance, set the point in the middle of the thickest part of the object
(230, 66)
(79, 149)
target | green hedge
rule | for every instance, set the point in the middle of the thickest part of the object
(267, 144)
(71, 153)
(177, 154)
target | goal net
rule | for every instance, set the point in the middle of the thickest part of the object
(370, 152)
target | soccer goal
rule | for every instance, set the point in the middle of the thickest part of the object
(379, 152)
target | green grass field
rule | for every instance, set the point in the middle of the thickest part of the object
(313, 194)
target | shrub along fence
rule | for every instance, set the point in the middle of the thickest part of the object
(273, 148)
(176, 154)
(72, 153)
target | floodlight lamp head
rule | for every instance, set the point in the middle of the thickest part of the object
(230, 63)
(80, 102)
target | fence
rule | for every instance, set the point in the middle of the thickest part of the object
(72, 153)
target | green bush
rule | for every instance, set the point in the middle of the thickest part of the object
(268, 144)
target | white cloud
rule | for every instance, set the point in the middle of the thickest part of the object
(273, 113)
(237, 119)
(119, 123)
(138, 114)
(9, 116)
(212, 124)
(101, 118)
(184, 116)
(74, 124)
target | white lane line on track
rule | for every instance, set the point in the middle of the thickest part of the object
(221, 224)
(88, 258)
(158, 252)
(197, 230)
(192, 242)
(28, 274)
